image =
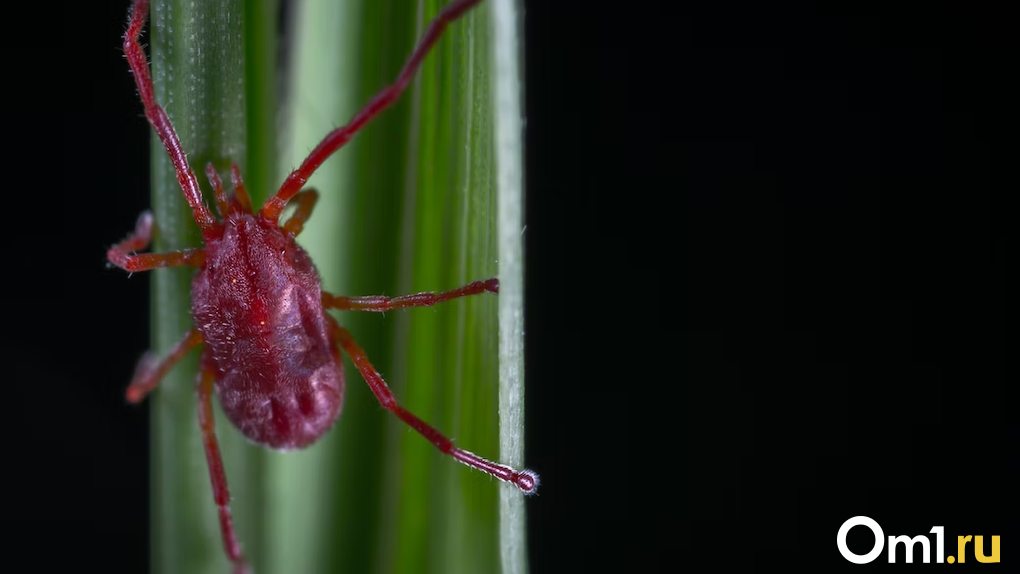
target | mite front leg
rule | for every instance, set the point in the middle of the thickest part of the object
(426, 299)
(525, 480)
(221, 494)
(161, 122)
(222, 203)
(239, 190)
(242, 200)
(150, 372)
(122, 255)
(339, 137)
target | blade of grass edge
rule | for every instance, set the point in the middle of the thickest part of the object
(510, 183)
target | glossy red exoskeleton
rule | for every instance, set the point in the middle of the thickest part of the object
(269, 350)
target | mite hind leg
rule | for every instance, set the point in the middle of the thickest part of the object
(218, 477)
(525, 480)
(426, 299)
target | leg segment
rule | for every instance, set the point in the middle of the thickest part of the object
(305, 204)
(525, 480)
(221, 494)
(150, 372)
(239, 190)
(150, 261)
(426, 299)
(222, 204)
(140, 239)
(121, 254)
(222, 201)
(340, 136)
(161, 122)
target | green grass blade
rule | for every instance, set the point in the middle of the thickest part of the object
(200, 70)
(260, 87)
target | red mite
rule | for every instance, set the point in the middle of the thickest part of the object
(270, 351)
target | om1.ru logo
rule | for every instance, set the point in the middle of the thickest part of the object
(908, 543)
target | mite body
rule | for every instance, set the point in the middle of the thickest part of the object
(258, 305)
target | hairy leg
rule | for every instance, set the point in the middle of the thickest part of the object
(337, 138)
(239, 190)
(305, 204)
(150, 372)
(221, 494)
(426, 299)
(122, 255)
(525, 480)
(222, 203)
(161, 122)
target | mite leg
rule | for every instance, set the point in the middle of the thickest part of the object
(150, 372)
(239, 190)
(222, 204)
(222, 201)
(305, 204)
(221, 493)
(525, 480)
(336, 139)
(161, 122)
(121, 254)
(426, 299)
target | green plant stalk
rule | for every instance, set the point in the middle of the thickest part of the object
(510, 184)
(200, 72)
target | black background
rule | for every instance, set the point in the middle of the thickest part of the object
(766, 284)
